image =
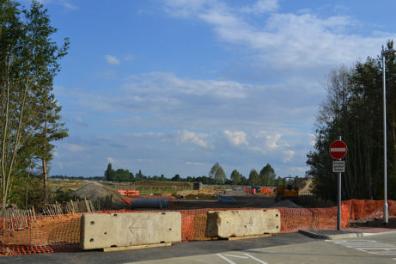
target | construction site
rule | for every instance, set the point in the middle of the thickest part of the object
(111, 216)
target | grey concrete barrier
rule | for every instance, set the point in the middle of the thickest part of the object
(129, 229)
(239, 223)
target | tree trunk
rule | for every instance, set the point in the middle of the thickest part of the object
(45, 180)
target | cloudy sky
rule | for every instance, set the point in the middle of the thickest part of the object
(174, 86)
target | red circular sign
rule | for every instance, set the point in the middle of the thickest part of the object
(338, 149)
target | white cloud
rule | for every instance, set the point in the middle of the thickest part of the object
(193, 137)
(236, 137)
(296, 170)
(286, 39)
(167, 84)
(272, 141)
(261, 6)
(67, 4)
(185, 8)
(288, 155)
(113, 60)
(196, 163)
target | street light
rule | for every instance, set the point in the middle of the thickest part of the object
(386, 209)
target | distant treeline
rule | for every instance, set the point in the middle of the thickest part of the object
(65, 177)
(266, 176)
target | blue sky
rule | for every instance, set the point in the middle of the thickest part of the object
(174, 86)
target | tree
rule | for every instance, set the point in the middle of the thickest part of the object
(176, 178)
(236, 177)
(139, 175)
(29, 60)
(45, 58)
(122, 175)
(109, 172)
(353, 109)
(254, 178)
(217, 174)
(117, 175)
(267, 175)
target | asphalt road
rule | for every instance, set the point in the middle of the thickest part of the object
(285, 248)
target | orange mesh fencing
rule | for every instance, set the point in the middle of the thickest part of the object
(44, 234)
(367, 209)
(293, 219)
(47, 234)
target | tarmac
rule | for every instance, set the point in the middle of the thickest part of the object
(356, 232)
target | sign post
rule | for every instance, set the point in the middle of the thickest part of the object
(338, 151)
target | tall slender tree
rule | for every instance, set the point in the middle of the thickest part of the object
(217, 173)
(254, 178)
(236, 177)
(267, 175)
(28, 64)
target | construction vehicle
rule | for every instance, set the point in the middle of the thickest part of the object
(287, 188)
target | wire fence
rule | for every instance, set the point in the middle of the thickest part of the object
(28, 233)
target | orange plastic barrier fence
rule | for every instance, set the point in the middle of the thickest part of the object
(293, 219)
(266, 190)
(129, 193)
(48, 234)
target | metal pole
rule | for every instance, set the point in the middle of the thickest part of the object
(339, 198)
(385, 143)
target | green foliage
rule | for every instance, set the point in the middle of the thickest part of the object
(236, 177)
(217, 174)
(29, 112)
(27, 191)
(117, 175)
(176, 177)
(108, 175)
(353, 110)
(267, 175)
(254, 178)
(62, 196)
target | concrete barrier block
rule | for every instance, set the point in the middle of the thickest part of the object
(129, 229)
(235, 223)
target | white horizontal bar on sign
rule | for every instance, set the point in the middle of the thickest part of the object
(337, 149)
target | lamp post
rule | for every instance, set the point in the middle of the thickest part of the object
(386, 209)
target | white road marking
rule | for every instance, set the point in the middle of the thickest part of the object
(226, 259)
(256, 259)
(246, 256)
(236, 256)
(368, 246)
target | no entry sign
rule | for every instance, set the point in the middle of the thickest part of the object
(338, 149)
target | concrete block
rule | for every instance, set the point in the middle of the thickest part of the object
(129, 229)
(235, 223)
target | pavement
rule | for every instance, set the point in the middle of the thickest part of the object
(347, 233)
(283, 248)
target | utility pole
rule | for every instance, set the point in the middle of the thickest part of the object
(386, 210)
(339, 197)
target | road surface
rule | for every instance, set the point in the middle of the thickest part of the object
(285, 248)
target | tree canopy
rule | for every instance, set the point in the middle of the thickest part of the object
(117, 175)
(267, 175)
(217, 174)
(254, 177)
(353, 110)
(29, 112)
(236, 177)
